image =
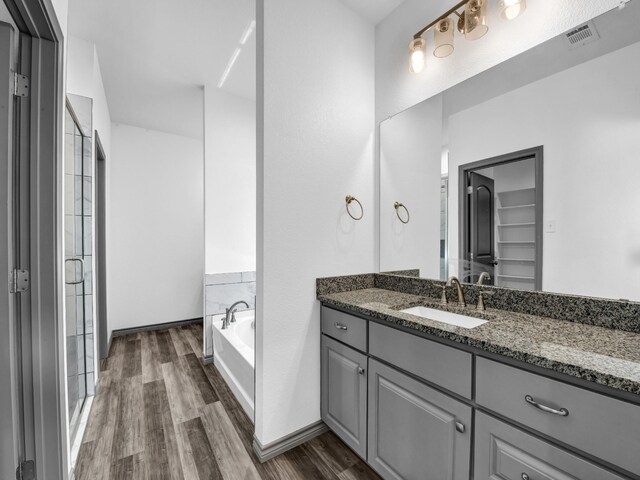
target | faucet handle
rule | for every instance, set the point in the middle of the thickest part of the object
(443, 295)
(481, 306)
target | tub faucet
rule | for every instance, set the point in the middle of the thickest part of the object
(230, 316)
(454, 280)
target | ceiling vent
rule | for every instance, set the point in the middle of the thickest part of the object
(581, 35)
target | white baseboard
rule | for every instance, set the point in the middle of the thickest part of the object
(277, 447)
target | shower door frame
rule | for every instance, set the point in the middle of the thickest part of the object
(74, 420)
(39, 383)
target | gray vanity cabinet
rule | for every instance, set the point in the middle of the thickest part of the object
(344, 393)
(415, 432)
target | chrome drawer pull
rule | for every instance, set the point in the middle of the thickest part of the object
(524, 476)
(563, 412)
(361, 370)
(340, 326)
(460, 427)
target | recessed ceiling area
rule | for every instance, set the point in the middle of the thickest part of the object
(155, 57)
(373, 10)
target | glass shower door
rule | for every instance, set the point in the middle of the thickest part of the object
(78, 284)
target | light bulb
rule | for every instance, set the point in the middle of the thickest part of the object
(510, 9)
(417, 55)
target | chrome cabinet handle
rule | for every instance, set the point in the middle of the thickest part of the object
(361, 370)
(524, 476)
(340, 326)
(460, 427)
(81, 271)
(563, 412)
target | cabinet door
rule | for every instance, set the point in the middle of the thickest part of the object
(415, 432)
(503, 451)
(344, 393)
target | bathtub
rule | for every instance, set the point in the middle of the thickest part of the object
(233, 356)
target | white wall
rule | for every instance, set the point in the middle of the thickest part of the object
(156, 255)
(315, 146)
(397, 89)
(410, 162)
(84, 77)
(230, 182)
(515, 176)
(589, 130)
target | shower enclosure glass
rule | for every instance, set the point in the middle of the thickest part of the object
(78, 261)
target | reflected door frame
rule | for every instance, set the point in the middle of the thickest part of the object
(44, 439)
(464, 171)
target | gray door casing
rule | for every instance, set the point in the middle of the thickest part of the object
(40, 389)
(11, 441)
(100, 277)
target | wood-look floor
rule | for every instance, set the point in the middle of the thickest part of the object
(161, 414)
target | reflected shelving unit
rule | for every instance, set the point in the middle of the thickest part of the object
(516, 239)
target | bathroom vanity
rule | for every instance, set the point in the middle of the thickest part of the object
(519, 397)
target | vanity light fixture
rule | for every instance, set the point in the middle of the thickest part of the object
(472, 23)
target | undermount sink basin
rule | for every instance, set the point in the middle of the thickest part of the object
(445, 317)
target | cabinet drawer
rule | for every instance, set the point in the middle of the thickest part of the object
(444, 366)
(344, 327)
(604, 427)
(503, 451)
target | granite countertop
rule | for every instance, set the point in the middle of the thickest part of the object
(597, 354)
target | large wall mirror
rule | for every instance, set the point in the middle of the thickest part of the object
(529, 172)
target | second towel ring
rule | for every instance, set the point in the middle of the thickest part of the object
(350, 199)
(398, 206)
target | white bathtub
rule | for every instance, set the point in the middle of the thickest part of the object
(233, 355)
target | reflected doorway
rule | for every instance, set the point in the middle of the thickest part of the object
(501, 220)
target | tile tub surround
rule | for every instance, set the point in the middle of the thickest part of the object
(222, 290)
(602, 355)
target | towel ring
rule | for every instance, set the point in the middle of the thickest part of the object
(350, 199)
(398, 206)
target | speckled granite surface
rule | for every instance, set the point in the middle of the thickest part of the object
(602, 355)
(328, 285)
(405, 273)
(602, 312)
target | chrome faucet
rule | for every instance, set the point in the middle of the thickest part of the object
(482, 277)
(230, 316)
(454, 280)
